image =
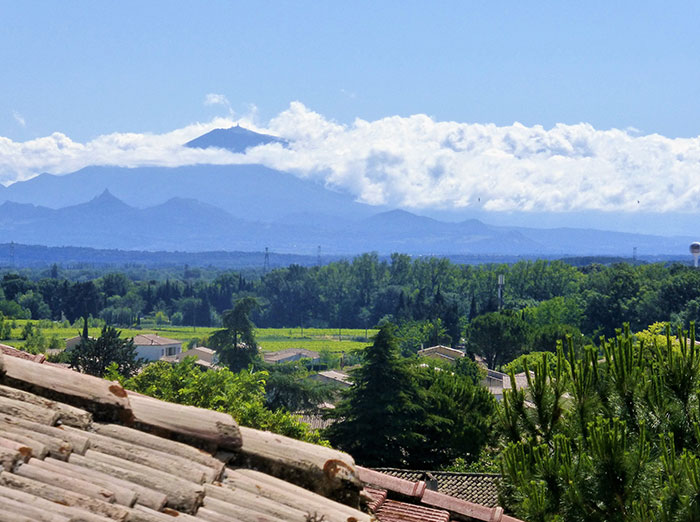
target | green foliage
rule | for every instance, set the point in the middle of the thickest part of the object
(376, 419)
(289, 388)
(236, 342)
(400, 415)
(5, 328)
(36, 341)
(93, 356)
(518, 364)
(458, 419)
(240, 394)
(55, 343)
(607, 440)
(27, 330)
(488, 461)
(545, 338)
(469, 369)
(328, 359)
(498, 336)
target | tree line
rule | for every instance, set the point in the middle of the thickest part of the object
(434, 296)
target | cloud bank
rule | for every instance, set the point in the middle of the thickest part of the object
(418, 163)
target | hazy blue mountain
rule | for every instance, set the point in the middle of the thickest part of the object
(179, 224)
(235, 139)
(186, 224)
(250, 192)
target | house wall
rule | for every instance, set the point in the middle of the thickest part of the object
(155, 352)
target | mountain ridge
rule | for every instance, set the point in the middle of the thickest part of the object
(187, 224)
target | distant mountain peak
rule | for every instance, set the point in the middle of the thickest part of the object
(235, 139)
(105, 200)
(106, 197)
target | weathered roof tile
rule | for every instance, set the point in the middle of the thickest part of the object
(188, 423)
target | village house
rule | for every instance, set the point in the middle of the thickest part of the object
(442, 353)
(204, 357)
(152, 347)
(72, 342)
(496, 382)
(339, 378)
(291, 355)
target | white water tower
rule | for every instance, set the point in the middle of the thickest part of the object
(695, 250)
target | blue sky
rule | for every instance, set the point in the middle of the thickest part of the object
(90, 68)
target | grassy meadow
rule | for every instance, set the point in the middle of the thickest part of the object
(269, 339)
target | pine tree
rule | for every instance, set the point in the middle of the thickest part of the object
(377, 418)
(611, 439)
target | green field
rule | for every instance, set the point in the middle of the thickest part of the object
(269, 339)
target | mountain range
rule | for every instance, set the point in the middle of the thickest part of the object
(250, 207)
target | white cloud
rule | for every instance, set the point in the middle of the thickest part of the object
(416, 162)
(19, 119)
(218, 99)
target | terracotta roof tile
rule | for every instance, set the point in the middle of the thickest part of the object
(392, 510)
(374, 496)
(97, 471)
(417, 493)
(480, 488)
(14, 352)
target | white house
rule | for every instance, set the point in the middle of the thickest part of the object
(152, 347)
(205, 357)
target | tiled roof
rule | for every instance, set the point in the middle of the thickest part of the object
(479, 488)
(153, 340)
(441, 351)
(9, 350)
(78, 448)
(381, 487)
(289, 352)
(336, 376)
(395, 511)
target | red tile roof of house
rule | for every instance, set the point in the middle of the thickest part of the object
(479, 488)
(394, 511)
(418, 495)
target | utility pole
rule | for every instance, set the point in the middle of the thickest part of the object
(266, 263)
(318, 256)
(501, 283)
